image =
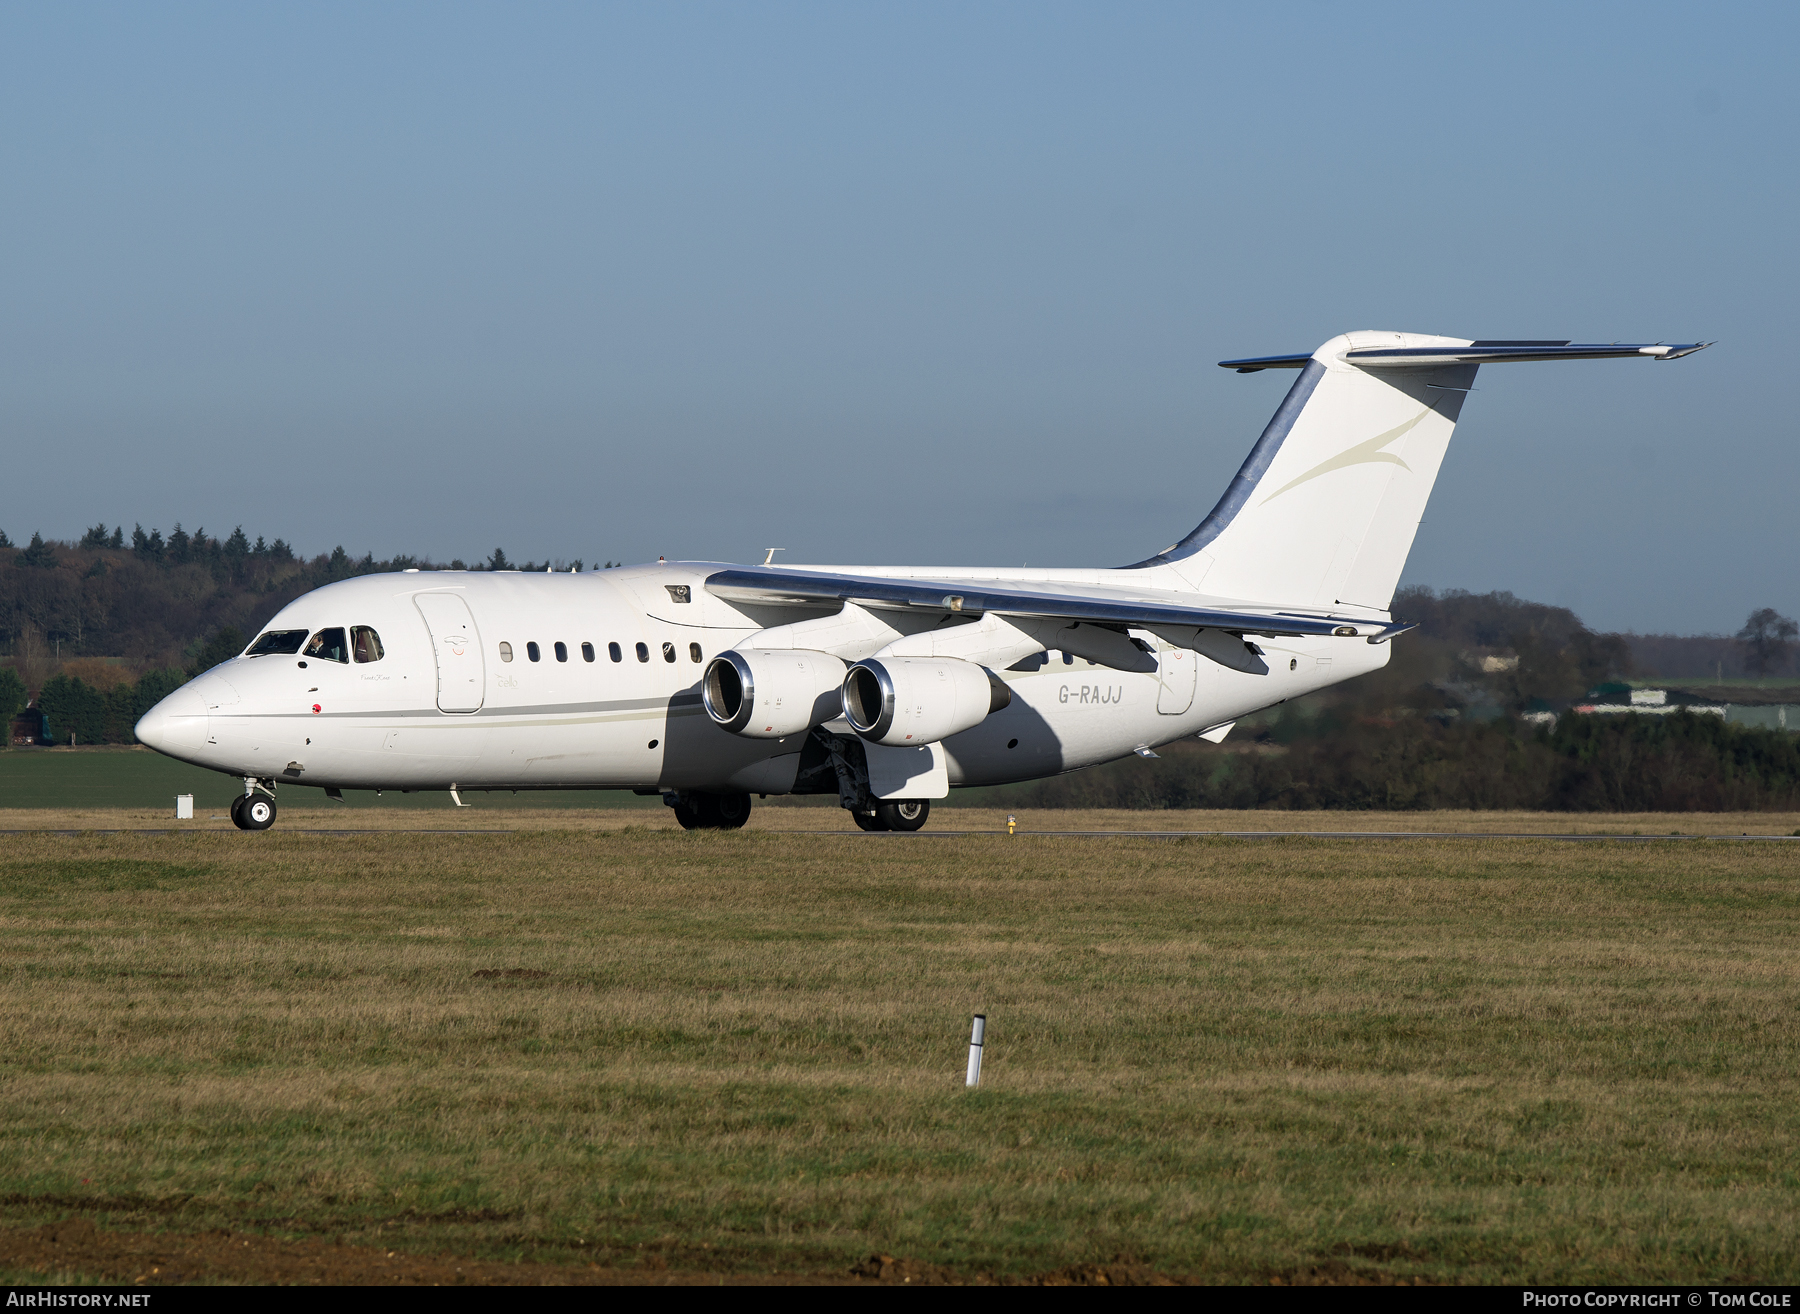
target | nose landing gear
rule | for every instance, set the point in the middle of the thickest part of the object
(251, 810)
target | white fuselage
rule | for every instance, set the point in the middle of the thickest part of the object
(635, 721)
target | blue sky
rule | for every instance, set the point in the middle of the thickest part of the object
(931, 284)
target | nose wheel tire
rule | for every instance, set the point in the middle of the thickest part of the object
(904, 814)
(255, 812)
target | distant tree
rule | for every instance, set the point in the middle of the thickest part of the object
(457, 563)
(1766, 637)
(237, 545)
(222, 647)
(280, 551)
(498, 561)
(179, 543)
(38, 553)
(12, 701)
(77, 711)
(118, 538)
(4, 540)
(147, 546)
(95, 537)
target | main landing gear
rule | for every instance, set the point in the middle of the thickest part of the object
(251, 810)
(900, 814)
(710, 811)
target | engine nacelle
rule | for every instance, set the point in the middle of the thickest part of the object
(770, 693)
(908, 701)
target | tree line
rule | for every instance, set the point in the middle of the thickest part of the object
(1585, 763)
(156, 600)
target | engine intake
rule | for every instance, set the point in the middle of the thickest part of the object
(763, 693)
(908, 701)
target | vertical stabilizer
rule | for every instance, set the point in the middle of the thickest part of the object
(1325, 507)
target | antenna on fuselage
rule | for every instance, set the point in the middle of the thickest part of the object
(770, 559)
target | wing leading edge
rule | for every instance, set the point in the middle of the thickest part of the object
(792, 587)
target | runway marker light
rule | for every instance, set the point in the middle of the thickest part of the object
(1011, 822)
(975, 1038)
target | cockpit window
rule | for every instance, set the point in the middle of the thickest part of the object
(277, 643)
(329, 645)
(365, 644)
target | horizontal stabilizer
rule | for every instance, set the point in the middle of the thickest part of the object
(1252, 364)
(1479, 352)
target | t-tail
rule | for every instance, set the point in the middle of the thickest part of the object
(1325, 507)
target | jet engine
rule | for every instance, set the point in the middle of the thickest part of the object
(770, 693)
(908, 701)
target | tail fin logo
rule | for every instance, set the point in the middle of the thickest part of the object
(1368, 453)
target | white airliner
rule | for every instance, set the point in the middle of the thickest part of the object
(887, 686)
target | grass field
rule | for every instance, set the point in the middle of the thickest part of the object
(635, 1048)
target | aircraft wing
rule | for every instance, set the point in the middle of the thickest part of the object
(794, 587)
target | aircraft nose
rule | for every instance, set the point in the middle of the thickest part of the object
(177, 724)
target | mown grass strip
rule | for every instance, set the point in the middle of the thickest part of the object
(1473, 1060)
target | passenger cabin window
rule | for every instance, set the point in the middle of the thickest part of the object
(277, 643)
(365, 644)
(643, 653)
(668, 652)
(505, 652)
(587, 652)
(694, 651)
(531, 651)
(612, 650)
(562, 651)
(329, 645)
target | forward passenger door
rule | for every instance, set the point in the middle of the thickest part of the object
(456, 645)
